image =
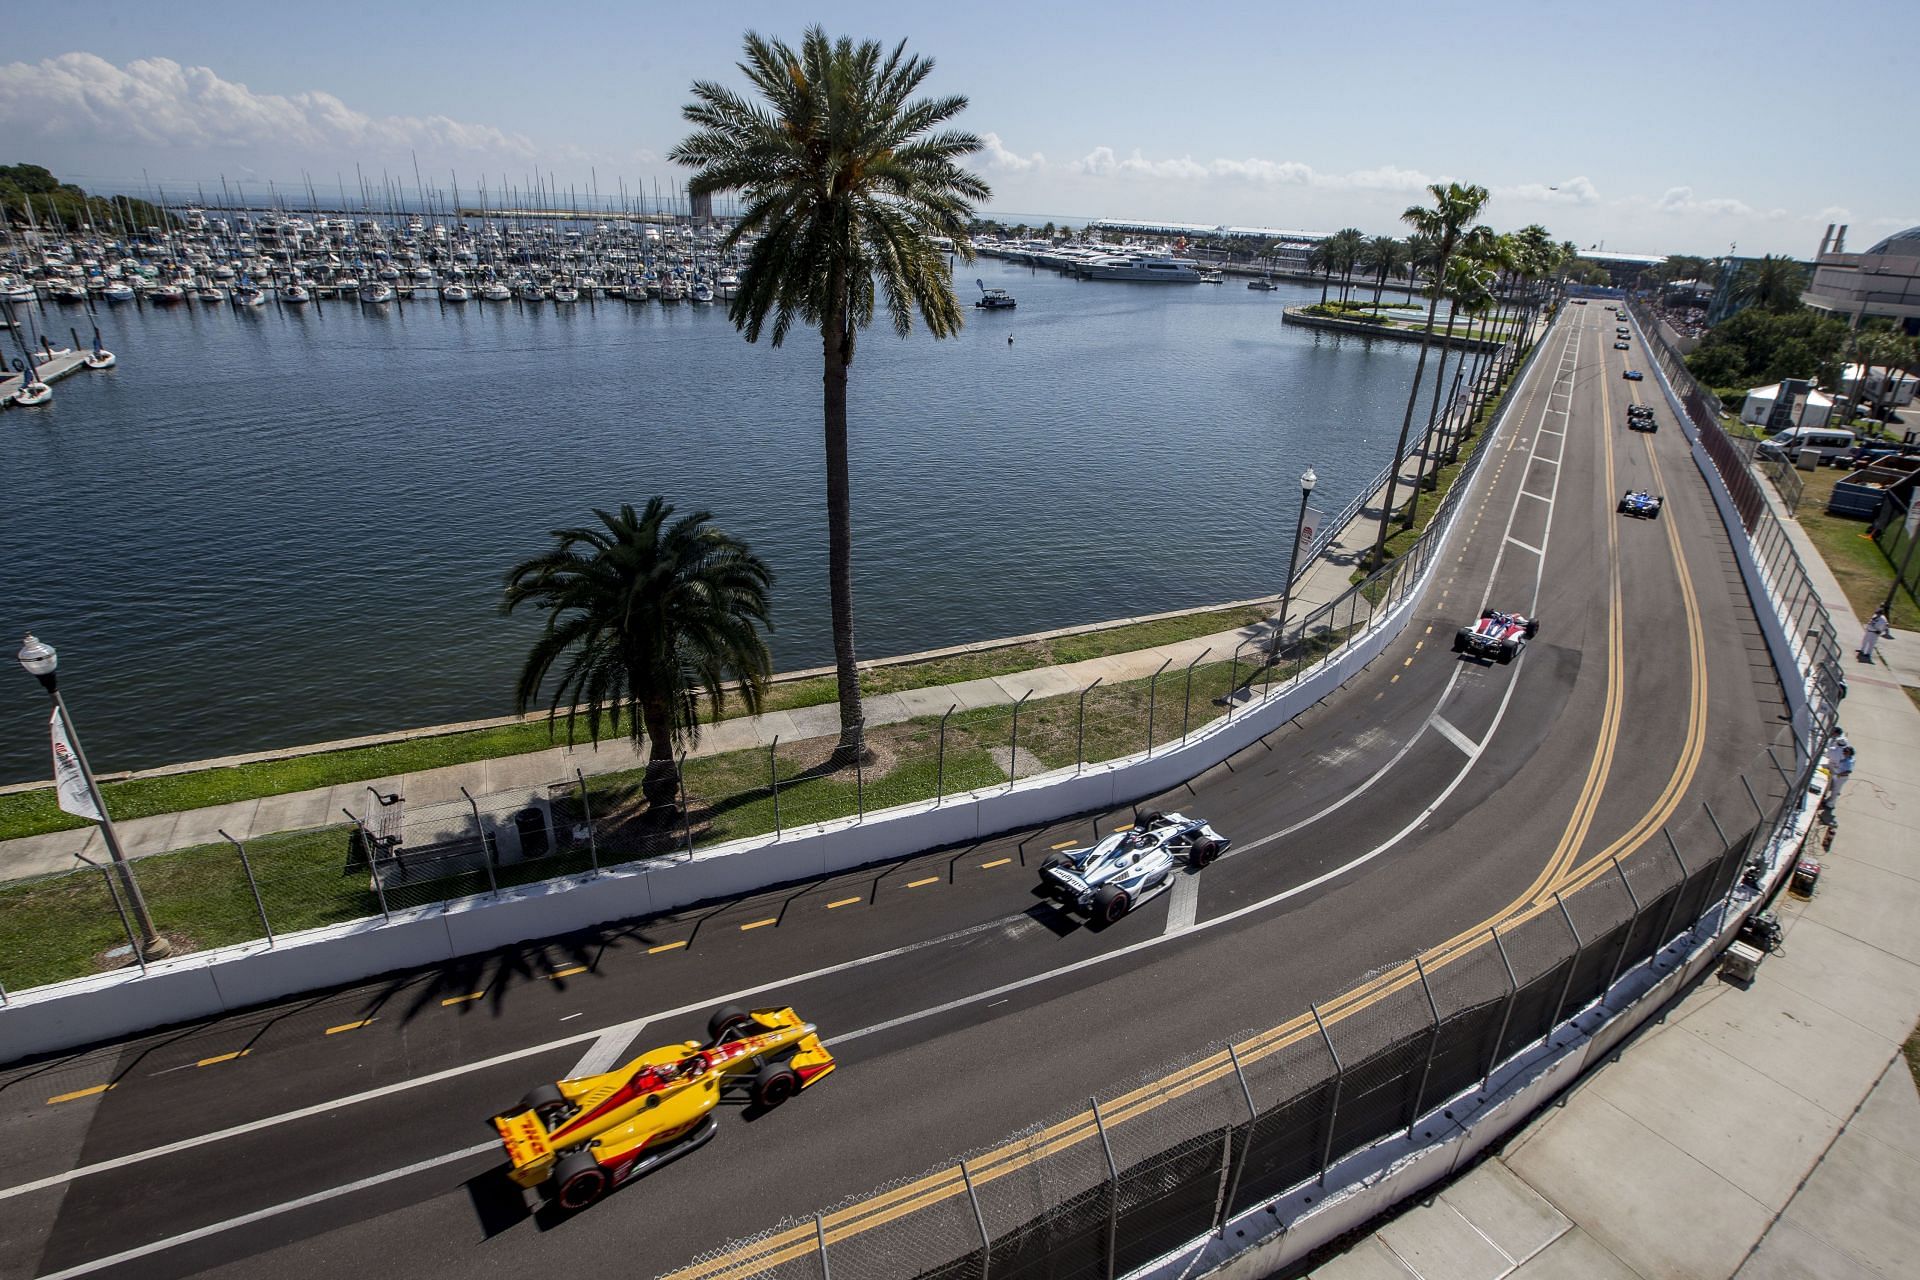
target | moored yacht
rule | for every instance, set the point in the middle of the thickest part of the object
(1137, 267)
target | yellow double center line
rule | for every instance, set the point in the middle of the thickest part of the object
(785, 1246)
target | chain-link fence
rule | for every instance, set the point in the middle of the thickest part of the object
(387, 853)
(1130, 1178)
(1896, 531)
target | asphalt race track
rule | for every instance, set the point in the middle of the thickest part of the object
(346, 1133)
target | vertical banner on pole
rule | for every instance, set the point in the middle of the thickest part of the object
(70, 783)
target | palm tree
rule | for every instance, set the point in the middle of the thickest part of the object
(643, 617)
(1321, 258)
(1773, 283)
(847, 179)
(1345, 245)
(1384, 256)
(1454, 209)
(1469, 290)
(1423, 260)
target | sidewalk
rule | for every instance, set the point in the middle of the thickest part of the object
(1767, 1133)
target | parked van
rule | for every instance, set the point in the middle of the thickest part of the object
(1790, 442)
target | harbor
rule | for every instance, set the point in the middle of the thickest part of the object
(325, 498)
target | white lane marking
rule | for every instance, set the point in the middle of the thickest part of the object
(1445, 729)
(261, 1215)
(1185, 903)
(402, 1086)
(453, 1073)
(607, 1049)
(1537, 497)
(1528, 546)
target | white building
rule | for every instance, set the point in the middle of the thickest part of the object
(1804, 407)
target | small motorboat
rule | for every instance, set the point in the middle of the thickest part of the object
(167, 295)
(1213, 277)
(210, 295)
(295, 293)
(101, 358)
(118, 291)
(494, 291)
(248, 295)
(1262, 284)
(375, 292)
(565, 293)
(455, 292)
(35, 392)
(702, 292)
(993, 299)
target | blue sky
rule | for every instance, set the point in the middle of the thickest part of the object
(1669, 127)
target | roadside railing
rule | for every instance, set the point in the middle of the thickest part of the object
(1108, 1186)
(1809, 629)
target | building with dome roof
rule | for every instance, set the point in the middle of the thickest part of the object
(1883, 281)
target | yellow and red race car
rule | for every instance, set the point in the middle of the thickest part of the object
(590, 1135)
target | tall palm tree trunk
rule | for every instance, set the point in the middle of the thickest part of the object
(1428, 444)
(836, 357)
(1406, 424)
(1379, 283)
(661, 785)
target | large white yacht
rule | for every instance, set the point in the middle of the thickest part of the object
(1137, 267)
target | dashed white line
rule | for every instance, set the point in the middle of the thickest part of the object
(1526, 546)
(1445, 729)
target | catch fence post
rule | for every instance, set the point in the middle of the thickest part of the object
(1187, 706)
(1753, 799)
(1680, 891)
(1113, 1187)
(1433, 1046)
(586, 807)
(940, 770)
(773, 776)
(686, 813)
(253, 886)
(1013, 751)
(1506, 1017)
(486, 854)
(1339, 1082)
(1573, 963)
(1717, 830)
(373, 863)
(1627, 938)
(1240, 1166)
(860, 768)
(113, 893)
(979, 1220)
(1080, 731)
(1233, 679)
(820, 1242)
(1153, 686)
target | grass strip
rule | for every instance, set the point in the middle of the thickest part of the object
(29, 813)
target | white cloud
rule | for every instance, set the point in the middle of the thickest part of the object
(158, 103)
(1569, 191)
(1682, 201)
(1105, 162)
(995, 156)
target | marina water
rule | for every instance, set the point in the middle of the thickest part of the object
(289, 525)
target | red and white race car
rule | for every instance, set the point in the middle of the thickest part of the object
(1500, 636)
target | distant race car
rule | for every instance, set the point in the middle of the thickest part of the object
(1632, 375)
(1500, 636)
(1106, 880)
(1579, 302)
(1642, 422)
(1622, 346)
(587, 1136)
(1638, 502)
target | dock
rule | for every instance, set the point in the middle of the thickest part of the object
(49, 371)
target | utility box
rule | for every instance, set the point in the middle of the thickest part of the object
(1741, 964)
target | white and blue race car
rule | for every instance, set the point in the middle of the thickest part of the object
(1638, 502)
(1104, 881)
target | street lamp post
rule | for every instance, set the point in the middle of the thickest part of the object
(40, 661)
(1307, 481)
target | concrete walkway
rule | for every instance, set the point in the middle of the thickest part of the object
(1766, 1133)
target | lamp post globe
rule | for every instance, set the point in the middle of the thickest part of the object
(1307, 480)
(39, 658)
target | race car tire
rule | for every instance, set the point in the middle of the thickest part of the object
(1110, 903)
(726, 1021)
(1460, 641)
(1147, 818)
(548, 1103)
(1203, 852)
(1622, 508)
(1533, 627)
(773, 1084)
(579, 1181)
(1506, 653)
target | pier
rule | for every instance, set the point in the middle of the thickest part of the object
(47, 371)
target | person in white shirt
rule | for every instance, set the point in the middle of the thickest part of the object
(1878, 628)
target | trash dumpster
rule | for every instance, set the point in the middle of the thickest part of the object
(531, 823)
